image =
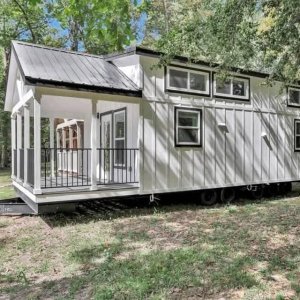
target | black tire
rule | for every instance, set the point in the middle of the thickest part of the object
(209, 197)
(227, 195)
(258, 192)
(271, 190)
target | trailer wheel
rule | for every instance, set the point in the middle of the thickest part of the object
(227, 195)
(258, 192)
(285, 188)
(271, 190)
(209, 197)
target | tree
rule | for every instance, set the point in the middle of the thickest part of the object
(251, 34)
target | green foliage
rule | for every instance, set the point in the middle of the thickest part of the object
(251, 34)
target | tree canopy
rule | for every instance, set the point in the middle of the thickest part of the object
(251, 34)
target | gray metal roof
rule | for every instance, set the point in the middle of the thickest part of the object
(51, 66)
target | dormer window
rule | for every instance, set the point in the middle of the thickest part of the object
(294, 96)
(234, 87)
(184, 80)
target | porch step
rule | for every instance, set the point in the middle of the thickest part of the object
(15, 207)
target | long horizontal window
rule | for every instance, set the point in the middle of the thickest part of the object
(232, 87)
(187, 127)
(293, 96)
(187, 80)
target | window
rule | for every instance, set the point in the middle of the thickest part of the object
(187, 80)
(293, 96)
(234, 87)
(297, 135)
(119, 138)
(187, 127)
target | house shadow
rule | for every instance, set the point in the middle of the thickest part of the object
(110, 209)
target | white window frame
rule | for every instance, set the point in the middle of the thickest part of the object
(296, 121)
(206, 92)
(123, 111)
(231, 95)
(288, 96)
(198, 127)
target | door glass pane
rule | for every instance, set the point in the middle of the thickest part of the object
(223, 87)
(187, 118)
(188, 135)
(294, 96)
(120, 152)
(120, 125)
(178, 79)
(239, 87)
(197, 82)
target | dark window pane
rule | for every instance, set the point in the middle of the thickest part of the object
(120, 125)
(120, 152)
(187, 119)
(239, 87)
(298, 142)
(223, 87)
(178, 79)
(188, 135)
(294, 96)
(297, 127)
(197, 82)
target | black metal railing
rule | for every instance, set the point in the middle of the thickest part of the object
(117, 166)
(15, 162)
(65, 167)
(21, 165)
(30, 166)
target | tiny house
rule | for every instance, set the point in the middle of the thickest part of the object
(119, 125)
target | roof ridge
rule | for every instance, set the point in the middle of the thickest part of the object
(57, 49)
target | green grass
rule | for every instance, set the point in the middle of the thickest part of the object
(6, 189)
(247, 251)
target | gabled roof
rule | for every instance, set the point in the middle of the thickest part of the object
(58, 67)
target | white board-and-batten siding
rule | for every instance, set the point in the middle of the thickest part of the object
(241, 156)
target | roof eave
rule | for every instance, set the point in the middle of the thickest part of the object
(82, 87)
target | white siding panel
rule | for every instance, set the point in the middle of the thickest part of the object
(273, 136)
(249, 150)
(239, 147)
(281, 146)
(230, 147)
(257, 161)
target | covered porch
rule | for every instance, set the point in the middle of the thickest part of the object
(65, 141)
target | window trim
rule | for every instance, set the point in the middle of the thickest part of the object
(231, 96)
(200, 134)
(114, 113)
(295, 135)
(288, 96)
(188, 91)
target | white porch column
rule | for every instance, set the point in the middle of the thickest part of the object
(94, 145)
(26, 142)
(51, 144)
(37, 146)
(57, 139)
(79, 144)
(19, 143)
(13, 146)
(70, 137)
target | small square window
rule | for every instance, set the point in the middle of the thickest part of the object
(294, 96)
(187, 127)
(238, 87)
(197, 82)
(297, 135)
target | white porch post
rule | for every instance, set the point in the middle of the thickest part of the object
(19, 143)
(70, 137)
(13, 146)
(37, 146)
(51, 144)
(94, 145)
(26, 142)
(57, 139)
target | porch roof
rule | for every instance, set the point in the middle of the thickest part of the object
(41, 65)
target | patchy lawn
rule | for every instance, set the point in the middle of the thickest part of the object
(243, 251)
(6, 189)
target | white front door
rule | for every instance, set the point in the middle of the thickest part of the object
(106, 145)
